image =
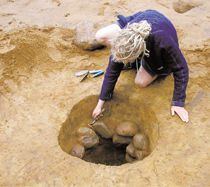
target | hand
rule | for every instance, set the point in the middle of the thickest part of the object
(181, 112)
(98, 109)
(96, 112)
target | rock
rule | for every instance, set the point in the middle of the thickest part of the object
(102, 130)
(129, 158)
(85, 36)
(182, 6)
(121, 139)
(87, 137)
(140, 141)
(127, 128)
(140, 155)
(77, 151)
(89, 141)
(130, 150)
(85, 131)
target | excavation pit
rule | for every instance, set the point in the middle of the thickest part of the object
(127, 132)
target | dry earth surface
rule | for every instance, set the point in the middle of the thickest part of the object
(38, 90)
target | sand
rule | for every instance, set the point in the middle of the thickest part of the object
(38, 89)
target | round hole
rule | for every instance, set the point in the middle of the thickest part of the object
(127, 132)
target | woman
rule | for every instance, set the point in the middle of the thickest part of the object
(148, 41)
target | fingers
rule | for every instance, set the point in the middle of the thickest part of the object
(172, 112)
(94, 115)
(97, 113)
(186, 117)
(183, 115)
(181, 112)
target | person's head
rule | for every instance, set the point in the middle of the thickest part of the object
(130, 43)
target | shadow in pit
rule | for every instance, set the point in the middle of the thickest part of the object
(118, 110)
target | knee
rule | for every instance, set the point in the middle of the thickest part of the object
(141, 83)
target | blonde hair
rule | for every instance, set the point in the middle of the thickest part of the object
(130, 43)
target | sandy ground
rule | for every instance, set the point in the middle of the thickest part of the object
(38, 90)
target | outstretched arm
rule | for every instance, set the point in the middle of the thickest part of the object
(112, 73)
(180, 71)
